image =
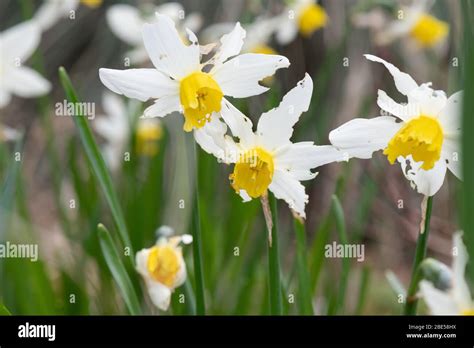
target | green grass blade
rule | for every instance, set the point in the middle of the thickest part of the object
(118, 271)
(97, 162)
(274, 262)
(4, 310)
(197, 244)
(467, 127)
(341, 230)
(304, 288)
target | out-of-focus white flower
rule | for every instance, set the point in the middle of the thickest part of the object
(303, 16)
(457, 300)
(416, 23)
(163, 268)
(51, 11)
(181, 82)
(126, 23)
(267, 159)
(8, 134)
(258, 36)
(17, 44)
(424, 138)
(115, 127)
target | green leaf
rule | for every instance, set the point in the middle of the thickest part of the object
(4, 310)
(118, 271)
(304, 288)
(97, 162)
(467, 127)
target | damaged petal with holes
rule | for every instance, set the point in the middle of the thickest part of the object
(422, 135)
(163, 268)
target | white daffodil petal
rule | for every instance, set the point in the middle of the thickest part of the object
(5, 97)
(211, 138)
(460, 288)
(160, 294)
(115, 108)
(439, 303)
(231, 44)
(193, 21)
(163, 106)
(426, 182)
(141, 84)
(239, 76)
(239, 124)
(19, 42)
(141, 259)
(426, 100)
(51, 11)
(306, 155)
(287, 29)
(126, 23)
(26, 82)
(404, 82)
(452, 153)
(402, 111)
(361, 137)
(450, 115)
(166, 49)
(285, 186)
(171, 10)
(245, 196)
(275, 127)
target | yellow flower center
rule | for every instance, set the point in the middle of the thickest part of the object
(422, 137)
(200, 96)
(263, 49)
(468, 312)
(163, 264)
(428, 31)
(253, 172)
(147, 136)
(92, 3)
(312, 18)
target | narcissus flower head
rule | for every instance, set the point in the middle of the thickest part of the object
(267, 159)
(422, 135)
(163, 268)
(457, 300)
(181, 82)
(417, 24)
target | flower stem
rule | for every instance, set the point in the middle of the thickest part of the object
(305, 300)
(421, 246)
(274, 260)
(197, 241)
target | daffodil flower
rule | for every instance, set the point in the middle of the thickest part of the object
(126, 23)
(457, 300)
(423, 136)
(51, 11)
(267, 159)
(115, 127)
(416, 23)
(163, 268)
(303, 16)
(17, 44)
(180, 82)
